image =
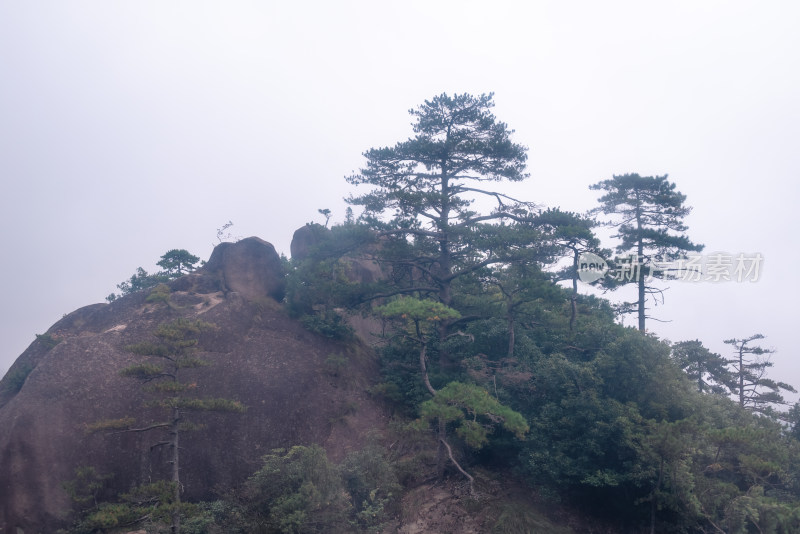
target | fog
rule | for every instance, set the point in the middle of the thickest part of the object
(130, 128)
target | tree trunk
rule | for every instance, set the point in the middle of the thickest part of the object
(458, 466)
(176, 479)
(639, 260)
(511, 335)
(445, 267)
(640, 273)
(440, 454)
(653, 506)
(574, 299)
(424, 368)
(441, 459)
(741, 375)
(445, 298)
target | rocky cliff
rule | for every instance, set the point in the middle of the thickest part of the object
(69, 378)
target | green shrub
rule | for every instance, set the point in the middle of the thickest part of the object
(331, 325)
(370, 479)
(160, 293)
(297, 490)
(85, 488)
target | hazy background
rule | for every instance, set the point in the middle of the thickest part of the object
(130, 128)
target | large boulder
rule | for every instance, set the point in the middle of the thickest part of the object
(69, 378)
(355, 255)
(356, 258)
(250, 267)
(306, 238)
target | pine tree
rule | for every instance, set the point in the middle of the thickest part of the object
(649, 219)
(704, 367)
(177, 262)
(570, 235)
(162, 375)
(429, 183)
(749, 368)
(449, 403)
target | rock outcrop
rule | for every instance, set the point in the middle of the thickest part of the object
(359, 266)
(250, 267)
(306, 238)
(69, 378)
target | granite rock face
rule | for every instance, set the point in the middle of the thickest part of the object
(69, 378)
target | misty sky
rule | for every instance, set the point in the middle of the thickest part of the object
(130, 128)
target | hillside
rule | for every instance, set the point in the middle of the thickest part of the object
(557, 420)
(257, 355)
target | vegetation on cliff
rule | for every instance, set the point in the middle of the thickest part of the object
(618, 423)
(486, 358)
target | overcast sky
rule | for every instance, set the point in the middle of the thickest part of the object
(130, 128)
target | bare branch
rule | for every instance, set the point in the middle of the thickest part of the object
(144, 429)
(458, 466)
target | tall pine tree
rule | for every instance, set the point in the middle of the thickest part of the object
(429, 183)
(649, 215)
(162, 375)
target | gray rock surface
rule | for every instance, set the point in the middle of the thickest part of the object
(251, 267)
(257, 355)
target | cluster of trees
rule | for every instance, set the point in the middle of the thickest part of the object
(296, 490)
(510, 368)
(174, 263)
